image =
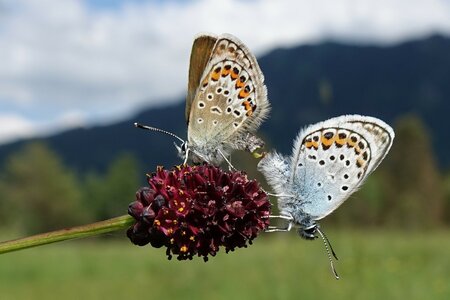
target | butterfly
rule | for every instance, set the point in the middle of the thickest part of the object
(226, 100)
(330, 161)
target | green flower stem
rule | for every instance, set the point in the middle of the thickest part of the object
(77, 232)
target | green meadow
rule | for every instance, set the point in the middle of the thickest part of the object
(372, 265)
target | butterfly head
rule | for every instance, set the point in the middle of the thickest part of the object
(182, 148)
(187, 150)
(308, 232)
(307, 227)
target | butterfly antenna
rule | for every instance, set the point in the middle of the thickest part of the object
(137, 125)
(328, 241)
(328, 246)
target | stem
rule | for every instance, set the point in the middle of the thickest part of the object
(82, 231)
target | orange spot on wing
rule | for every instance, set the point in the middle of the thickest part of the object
(360, 162)
(312, 144)
(226, 72)
(239, 84)
(248, 107)
(215, 76)
(243, 94)
(327, 142)
(234, 73)
(350, 143)
(340, 142)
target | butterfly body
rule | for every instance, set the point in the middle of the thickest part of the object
(329, 162)
(227, 99)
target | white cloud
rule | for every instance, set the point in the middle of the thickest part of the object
(60, 56)
(14, 126)
(71, 119)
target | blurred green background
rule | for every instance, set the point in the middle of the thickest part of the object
(374, 264)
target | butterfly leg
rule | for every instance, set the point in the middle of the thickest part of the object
(275, 229)
(226, 159)
(284, 217)
(280, 229)
(278, 195)
(186, 156)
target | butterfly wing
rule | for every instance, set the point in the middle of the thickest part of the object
(231, 98)
(332, 159)
(200, 54)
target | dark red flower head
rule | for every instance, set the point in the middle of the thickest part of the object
(197, 209)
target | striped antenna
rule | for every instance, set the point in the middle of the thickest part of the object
(327, 243)
(137, 125)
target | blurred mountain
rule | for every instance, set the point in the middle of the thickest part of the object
(306, 84)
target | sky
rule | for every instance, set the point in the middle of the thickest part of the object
(68, 63)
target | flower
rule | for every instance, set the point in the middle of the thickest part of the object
(195, 210)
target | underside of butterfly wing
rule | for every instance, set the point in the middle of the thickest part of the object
(331, 160)
(231, 99)
(201, 52)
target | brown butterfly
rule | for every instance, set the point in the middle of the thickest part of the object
(226, 100)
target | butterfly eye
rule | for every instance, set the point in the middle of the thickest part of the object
(310, 230)
(184, 147)
(308, 233)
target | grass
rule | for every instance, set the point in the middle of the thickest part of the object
(372, 265)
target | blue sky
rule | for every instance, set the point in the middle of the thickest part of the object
(77, 63)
